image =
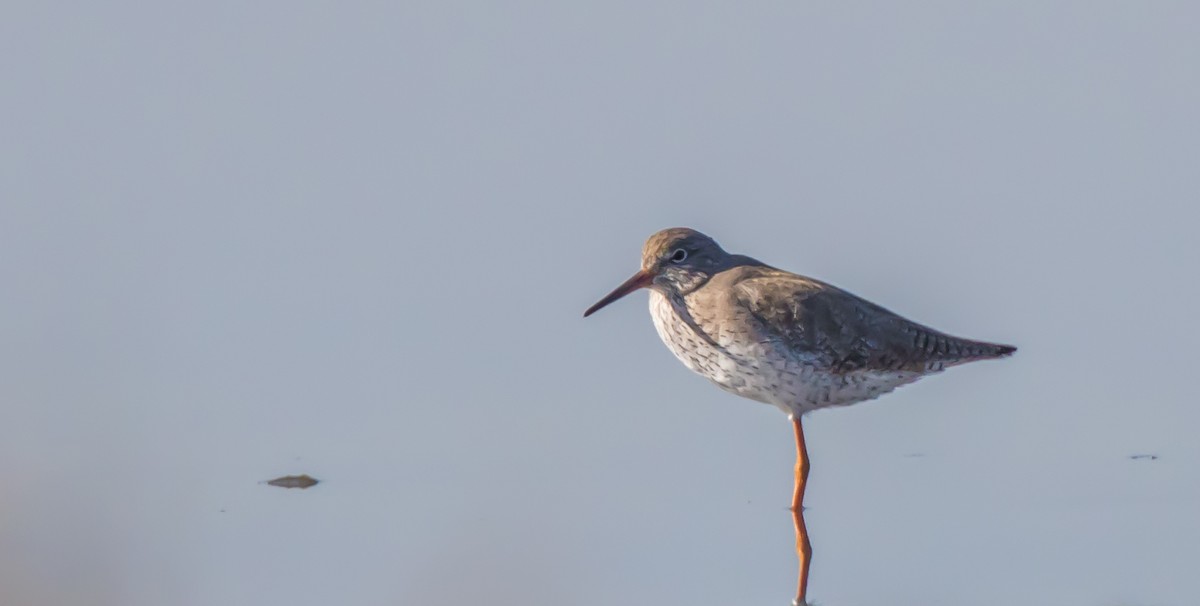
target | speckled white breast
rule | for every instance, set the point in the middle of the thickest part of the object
(760, 369)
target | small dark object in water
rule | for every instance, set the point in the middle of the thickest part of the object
(1152, 457)
(303, 481)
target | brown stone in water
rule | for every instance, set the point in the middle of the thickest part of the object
(301, 481)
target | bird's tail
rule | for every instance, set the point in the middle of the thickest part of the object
(982, 350)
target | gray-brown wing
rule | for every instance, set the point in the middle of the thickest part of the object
(843, 332)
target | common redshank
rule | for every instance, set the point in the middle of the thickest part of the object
(783, 339)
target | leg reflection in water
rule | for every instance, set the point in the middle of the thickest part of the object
(803, 548)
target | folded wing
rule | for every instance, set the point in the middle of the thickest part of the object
(846, 333)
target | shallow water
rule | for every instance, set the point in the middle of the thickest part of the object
(355, 243)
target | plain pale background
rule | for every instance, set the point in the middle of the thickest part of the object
(240, 240)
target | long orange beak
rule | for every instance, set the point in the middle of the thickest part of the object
(641, 279)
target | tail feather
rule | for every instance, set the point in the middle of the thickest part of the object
(982, 350)
(1005, 350)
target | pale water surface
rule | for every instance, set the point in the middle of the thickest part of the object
(354, 240)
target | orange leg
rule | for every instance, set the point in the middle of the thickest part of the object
(803, 548)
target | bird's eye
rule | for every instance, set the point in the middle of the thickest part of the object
(679, 255)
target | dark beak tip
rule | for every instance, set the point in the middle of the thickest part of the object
(641, 279)
(591, 310)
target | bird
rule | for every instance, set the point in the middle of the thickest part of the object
(783, 339)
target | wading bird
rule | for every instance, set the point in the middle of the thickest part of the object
(783, 339)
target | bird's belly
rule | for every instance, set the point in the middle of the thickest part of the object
(759, 371)
(739, 367)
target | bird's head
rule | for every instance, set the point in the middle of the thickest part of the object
(675, 261)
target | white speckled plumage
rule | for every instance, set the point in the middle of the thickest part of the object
(762, 371)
